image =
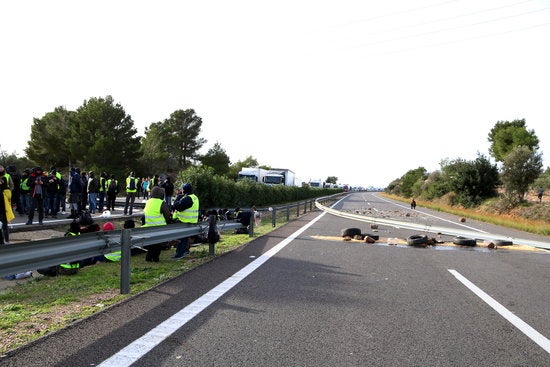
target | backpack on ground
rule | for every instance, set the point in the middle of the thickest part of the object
(85, 218)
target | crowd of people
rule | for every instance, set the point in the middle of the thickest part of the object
(48, 193)
(51, 193)
(36, 192)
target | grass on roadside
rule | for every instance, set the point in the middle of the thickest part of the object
(523, 224)
(44, 304)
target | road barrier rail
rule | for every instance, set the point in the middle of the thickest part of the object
(22, 257)
(478, 235)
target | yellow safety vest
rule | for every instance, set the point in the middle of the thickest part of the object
(113, 256)
(70, 266)
(24, 185)
(102, 182)
(189, 215)
(153, 215)
(109, 184)
(128, 184)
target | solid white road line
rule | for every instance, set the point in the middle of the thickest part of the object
(138, 348)
(504, 312)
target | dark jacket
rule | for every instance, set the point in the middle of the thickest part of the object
(34, 178)
(76, 185)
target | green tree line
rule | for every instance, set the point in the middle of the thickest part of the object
(100, 136)
(517, 168)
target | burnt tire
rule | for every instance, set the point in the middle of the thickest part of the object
(351, 232)
(463, 241)
(503, 243)
(417, 240)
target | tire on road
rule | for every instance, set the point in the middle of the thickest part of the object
(463, 241)
(351, 232)
(417, 240)
(503, 242)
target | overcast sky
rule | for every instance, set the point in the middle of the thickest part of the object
(361, 90)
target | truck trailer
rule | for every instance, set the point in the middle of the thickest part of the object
(255, 174)
(280, 176)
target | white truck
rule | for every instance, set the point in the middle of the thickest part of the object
(280, 176)
(318, 183)
(255, 174)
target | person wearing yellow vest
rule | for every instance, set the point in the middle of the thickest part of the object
(72, 267)
(111, 256)
(102, 190)
(24, 193)
(186, 210)
(6, 212)
(131, 189)
(156, 213)
(112, 191)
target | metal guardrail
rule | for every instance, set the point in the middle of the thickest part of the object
(21, 257)
(480, 235)
(16, 258)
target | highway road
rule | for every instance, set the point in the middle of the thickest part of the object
(303, 297)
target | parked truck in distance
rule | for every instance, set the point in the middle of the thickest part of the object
(255, 174)
(280, 176)
(318, 183)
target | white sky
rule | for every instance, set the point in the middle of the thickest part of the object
(362, 90)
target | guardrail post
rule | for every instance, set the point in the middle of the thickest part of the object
(305, 207)
(288, 212)
(297, 210)
(273, 216)
(251, 225)
(211, 234)
(126, 243)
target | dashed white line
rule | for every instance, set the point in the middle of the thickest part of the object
(534, 335)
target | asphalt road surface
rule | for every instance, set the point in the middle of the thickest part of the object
(303, 297)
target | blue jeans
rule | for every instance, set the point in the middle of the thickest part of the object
(92, 200)
(51, 204)
(101, 200)
(182, 248)
(25, 202)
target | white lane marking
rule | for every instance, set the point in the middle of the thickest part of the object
(431, 215)
(138, 348)
(534, 335)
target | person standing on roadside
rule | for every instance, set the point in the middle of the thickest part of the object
(51, 186)
(145, 185)
(16, 191)
(38, 192)
(24, 193)
(168, 187)
(112, 191)
(102, 190)
(93, 191)
(75, 192)
(84, 196)
(6, 213)
(131, 189)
